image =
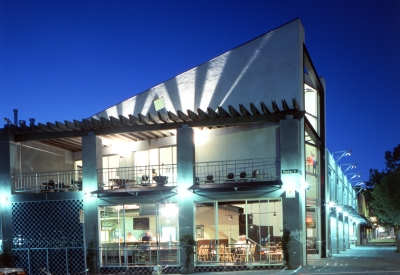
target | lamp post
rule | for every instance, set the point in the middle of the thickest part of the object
(343, 153)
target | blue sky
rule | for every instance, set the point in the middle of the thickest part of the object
(65, 60)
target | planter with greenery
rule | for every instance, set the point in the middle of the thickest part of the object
(187, 242)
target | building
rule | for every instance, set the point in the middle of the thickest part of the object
(235, 146)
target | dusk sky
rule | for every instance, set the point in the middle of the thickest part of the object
(65, 60)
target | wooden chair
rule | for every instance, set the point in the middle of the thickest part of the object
(241, 253)
(228, 255)
(202, 253)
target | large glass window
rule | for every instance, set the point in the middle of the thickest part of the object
(138, 234)
(239, 231)
(311, 105)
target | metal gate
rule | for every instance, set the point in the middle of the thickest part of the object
(54, 261)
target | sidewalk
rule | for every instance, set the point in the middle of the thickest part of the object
(366, 259)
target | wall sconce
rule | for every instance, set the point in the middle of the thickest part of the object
(3, 199)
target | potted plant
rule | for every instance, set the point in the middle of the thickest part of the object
(187, 241)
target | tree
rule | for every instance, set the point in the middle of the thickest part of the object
(386, 193)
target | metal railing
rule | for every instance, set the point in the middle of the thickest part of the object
(140, 254)
(55, 181)
(137, 176)
(216, 172)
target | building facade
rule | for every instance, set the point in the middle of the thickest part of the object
(233, 147)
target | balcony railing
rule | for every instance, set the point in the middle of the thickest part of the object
(55, 181)
(216, 172)
(137, 176)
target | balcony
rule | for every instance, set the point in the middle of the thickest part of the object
(137, 179)
(244, 173)
(43, 182)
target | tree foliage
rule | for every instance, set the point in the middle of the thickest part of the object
(386, 194)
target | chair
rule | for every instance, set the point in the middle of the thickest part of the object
(228, 254)
(202, 253)
(241, 253)
(221, 252)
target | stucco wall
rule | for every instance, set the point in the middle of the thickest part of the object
(266, 68)
(233, 143)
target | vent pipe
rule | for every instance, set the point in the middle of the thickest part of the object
(22, 122)
(31, 121)
(15, 116)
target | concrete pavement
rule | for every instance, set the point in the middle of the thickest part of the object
(375, 258)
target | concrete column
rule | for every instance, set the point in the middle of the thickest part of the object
(346, 233)
(333, 223)
(91, 161)
(340, 233)
(185, 169)
(5, 190)
(293, 199)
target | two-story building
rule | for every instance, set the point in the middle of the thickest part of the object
(232, 147)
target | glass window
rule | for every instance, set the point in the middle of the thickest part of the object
(128, 231)
(254, 226)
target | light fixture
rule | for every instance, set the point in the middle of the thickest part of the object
(357, 183)
(3, 199)
(355, 175)
(230, 217)
(349, 166)
(343, 153)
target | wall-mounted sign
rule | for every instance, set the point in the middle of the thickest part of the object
(291, 171)
(81, 216)
(290, 193)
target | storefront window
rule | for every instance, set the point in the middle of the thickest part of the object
(139, 234)
(254, 226)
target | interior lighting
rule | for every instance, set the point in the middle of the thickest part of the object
(3, 199)
(169, 209)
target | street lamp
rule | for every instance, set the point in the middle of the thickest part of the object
(349, 166)
(343, 153)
